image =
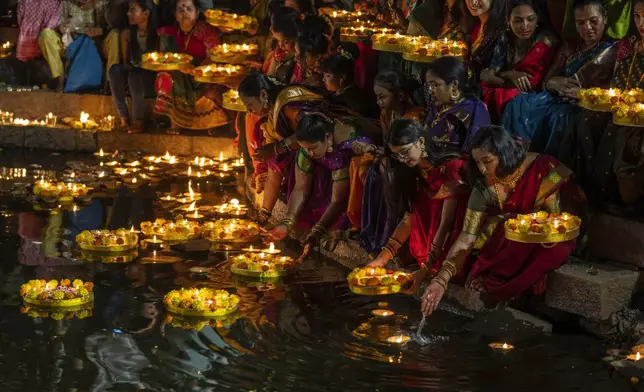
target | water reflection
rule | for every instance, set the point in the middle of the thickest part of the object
(306, 332)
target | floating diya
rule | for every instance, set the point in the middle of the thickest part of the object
(271, 250)
(634, 357)
(252, 250)
(101, 154)
(382, 313)
(398, 339)
(501, 346)
(192, 194)
(231, 208)
(154, 243)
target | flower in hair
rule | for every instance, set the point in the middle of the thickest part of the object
(345, 53)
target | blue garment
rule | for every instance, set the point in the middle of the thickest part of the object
(541, 117)
(86, 71)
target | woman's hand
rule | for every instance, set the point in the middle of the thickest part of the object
(265, 152)
(487, 75)
(277, 233)
(556, 84)
(519, 80)
(431, 298)
(361, 148)
(382, 259)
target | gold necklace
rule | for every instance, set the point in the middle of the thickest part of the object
(512, 183)
(630, 68)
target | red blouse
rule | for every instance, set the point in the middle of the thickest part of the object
(195, 43)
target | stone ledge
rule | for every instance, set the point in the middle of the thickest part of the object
(467, 299)
(67, 139)
(34, 105)
(595, 296)
(615, 238)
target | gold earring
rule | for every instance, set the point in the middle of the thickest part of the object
(329, 146)
(423, 153)
(455, 97)
(265, 103)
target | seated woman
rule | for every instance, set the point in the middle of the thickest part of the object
(312, 46)
(279, 64)
(339, 71)
(393, 91)
(487, 31)
(189, 104)
(520, 61)
(319, 185)
(282, 107)
(507, 181)
(616, 166)
(129, 76)
(436, 194)
(540, 118)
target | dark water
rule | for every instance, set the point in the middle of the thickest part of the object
(307, 333)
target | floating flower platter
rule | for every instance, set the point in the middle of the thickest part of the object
(377, 281)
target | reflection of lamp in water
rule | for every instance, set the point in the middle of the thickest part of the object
(154, 243)
(398, 339)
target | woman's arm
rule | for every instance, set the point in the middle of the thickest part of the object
(448, 216)
(300, 194)
(490, 77)
(125, 46)
(398, 237)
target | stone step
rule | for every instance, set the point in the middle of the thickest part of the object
(592, 290)
(34, 105)
(66, 139)
(614, 238)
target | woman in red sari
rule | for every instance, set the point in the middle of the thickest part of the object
(189, 105)
(507, 181)
(438, 196)
(520, 61)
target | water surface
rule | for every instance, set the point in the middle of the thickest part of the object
(305, 333)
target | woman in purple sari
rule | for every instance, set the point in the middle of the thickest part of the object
(319, 181)
(283, 107)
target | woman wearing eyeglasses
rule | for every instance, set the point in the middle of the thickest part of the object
(437, 194)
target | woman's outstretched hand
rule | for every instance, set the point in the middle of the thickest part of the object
(277, 233)
(431, 298)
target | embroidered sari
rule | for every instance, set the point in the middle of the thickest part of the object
(189, 104)
(618, 169)
(540, 118)
(360, 166)
(535, 63)
(453, 127)
(482, 49)
(437, 184)
(333, 167)
(507, 268)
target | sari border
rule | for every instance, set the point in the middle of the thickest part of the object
(289, 94)
(551, 183)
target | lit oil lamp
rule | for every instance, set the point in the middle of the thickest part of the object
(398, 339)
(501, 346)
(134, 231)
(192, 195)
(195, 215)
(384, 313)
(154, 243)
(271, 250)
(50, 120)
(634, 357)
(252, 250)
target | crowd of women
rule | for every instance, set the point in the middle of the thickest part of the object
(406, 160)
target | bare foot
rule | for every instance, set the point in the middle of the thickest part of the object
(137, 127)
(477, 285)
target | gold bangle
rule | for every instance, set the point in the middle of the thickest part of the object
(289, 223)
(440, 282)
(320, 229)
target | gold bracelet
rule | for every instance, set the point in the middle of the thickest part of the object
(319, 229)
(441, 282)
(289, 223)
